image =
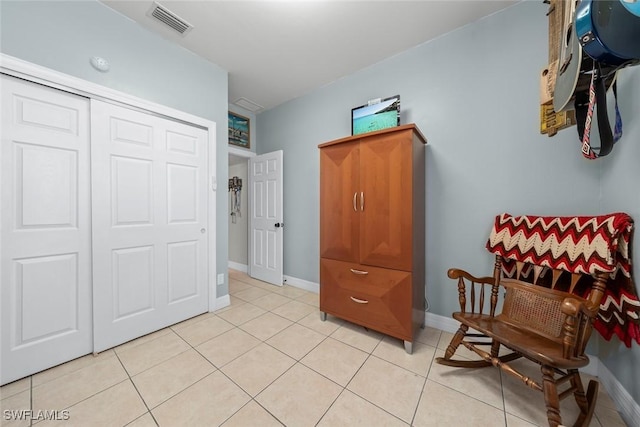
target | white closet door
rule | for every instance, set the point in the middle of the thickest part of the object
(45, 264)
(149, 211)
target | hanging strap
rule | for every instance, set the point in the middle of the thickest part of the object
(584, 115)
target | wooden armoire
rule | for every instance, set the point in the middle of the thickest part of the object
(372, 230)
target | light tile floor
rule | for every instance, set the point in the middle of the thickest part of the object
(268, 360)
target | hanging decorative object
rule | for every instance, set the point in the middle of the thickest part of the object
(235, 187)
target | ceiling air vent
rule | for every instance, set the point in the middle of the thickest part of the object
(248, 105)
(169, 18)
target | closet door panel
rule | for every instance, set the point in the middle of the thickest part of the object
(149, 223)
(45, 253)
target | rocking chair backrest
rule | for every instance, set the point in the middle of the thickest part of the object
(537, 310)
(534, 301)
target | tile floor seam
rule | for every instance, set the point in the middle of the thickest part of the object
(239, 386)
(137, 391)
(398, 366)
(88, 397)
(136, 419)
(205, 357)
(413, 419)
(268, 411)
(31, 398)
(329, 407)
(157, 364)
(232, 415)
(354, 375)
(468, 395)
(324, 376)
(350, 345)
(374, 404)
(267, 386)
(249, 320)
(504, 403)
(424, 384)
(175, 394)
(304, 355)
(202, 355)
(146, 342)
(182, 391)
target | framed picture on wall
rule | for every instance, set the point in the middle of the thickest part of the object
(239, 133)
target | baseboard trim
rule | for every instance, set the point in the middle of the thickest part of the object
(302, 284)
(237, 266)
(222, 302)
(444, 323)
(628, 408)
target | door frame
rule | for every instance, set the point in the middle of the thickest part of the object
(246, 155)
(38, 74)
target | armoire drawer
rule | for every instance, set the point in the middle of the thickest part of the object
(377, 298)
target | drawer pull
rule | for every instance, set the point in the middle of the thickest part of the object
(360, 272)
(354, 201)
(359, 301)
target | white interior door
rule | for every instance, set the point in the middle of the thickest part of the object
(150, 266)
(266, 217)
(45, 264)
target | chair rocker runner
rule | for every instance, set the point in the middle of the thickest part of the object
(554, 274)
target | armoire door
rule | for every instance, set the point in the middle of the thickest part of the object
(149, 211)
(45, 244)
(340, 202)
(387, 204)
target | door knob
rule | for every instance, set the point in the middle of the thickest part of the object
(279, 224)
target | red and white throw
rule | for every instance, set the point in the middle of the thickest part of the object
(578, 244)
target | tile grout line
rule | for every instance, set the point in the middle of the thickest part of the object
(504, 403)
(424, 384)
(137, 391)
(31, 397)
(219, 369)
(369, 355)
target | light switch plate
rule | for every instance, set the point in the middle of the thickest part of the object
(221, 279)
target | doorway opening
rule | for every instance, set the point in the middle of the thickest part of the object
(238, 212)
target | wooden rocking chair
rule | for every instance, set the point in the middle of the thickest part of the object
(552, 294)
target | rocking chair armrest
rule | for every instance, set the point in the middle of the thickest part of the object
(574, 332)
(476, 286)
(573, 306)
(456, 273)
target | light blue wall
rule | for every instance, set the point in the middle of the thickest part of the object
(620, 191)
(63, 36)
(474, 94)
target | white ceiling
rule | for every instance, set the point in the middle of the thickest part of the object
(275, 51)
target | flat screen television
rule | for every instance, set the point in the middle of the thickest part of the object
(376, 115)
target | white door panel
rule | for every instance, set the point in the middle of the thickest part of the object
(45, 265)
(266, 217)
(150, 231)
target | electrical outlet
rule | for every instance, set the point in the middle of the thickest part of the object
(221, 279)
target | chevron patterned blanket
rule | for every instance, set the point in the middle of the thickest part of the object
(580, 244)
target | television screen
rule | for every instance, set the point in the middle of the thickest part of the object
(376, 115)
